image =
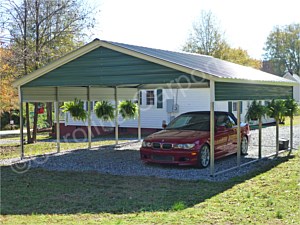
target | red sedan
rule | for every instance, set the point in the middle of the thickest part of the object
(186, 140)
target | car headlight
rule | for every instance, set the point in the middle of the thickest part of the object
(147, 144)
(184, 146)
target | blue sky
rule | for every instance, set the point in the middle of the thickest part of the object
(166, 24)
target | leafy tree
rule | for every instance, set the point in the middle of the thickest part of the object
(283, 49)
(42, 30)
(207, 38)
(8, 94)
(240, 56)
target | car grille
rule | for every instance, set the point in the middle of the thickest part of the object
(165, 146)
(156, 145)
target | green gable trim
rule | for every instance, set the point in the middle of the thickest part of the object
(239, 91)
(107, 67)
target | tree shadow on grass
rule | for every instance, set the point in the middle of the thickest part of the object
(41, 191)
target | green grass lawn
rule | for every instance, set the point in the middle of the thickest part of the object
(296, 121)
(12, 150)
(267, 196)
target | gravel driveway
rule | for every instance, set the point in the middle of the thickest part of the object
(124, 160)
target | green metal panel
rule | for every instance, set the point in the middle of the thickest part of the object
(104, 66)
(239, 91)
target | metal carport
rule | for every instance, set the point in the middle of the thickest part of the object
(102, 69)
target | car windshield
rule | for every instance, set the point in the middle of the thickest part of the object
(191, 121)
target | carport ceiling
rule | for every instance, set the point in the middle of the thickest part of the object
(109, 64)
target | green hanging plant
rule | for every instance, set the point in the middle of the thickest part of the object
(128, 109)
(76, 109)
(291, 107)
(255, 111)
(277, 110)
(104, 110)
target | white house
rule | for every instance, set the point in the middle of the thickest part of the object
(296, 89)
(158, 105)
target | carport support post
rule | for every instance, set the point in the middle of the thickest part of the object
(57, 121)
(238, 133)
(291, 134)
(212, 128)
(89, 117)
(21, 124)
(116, 116)
(139, 116)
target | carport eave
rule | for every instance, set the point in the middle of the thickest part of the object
(249, 81)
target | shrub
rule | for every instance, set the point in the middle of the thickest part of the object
(104, 110)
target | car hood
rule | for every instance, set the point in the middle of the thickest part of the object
(178, 136)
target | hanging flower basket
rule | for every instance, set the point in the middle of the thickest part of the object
(104, 111)
(255, 111)
(128, 109)
(76, 109)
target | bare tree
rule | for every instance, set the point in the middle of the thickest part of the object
(206, 37)
(42, 30)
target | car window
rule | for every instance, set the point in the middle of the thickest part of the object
(231, 120)
(190, 122)
(225, 120)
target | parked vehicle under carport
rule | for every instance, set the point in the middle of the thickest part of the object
(186, 140)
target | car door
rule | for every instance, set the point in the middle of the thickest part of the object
(221, 136)
(232, 135)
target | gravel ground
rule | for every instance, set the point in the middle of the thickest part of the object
(124, 160)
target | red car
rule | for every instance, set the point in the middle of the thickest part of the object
(186, 140)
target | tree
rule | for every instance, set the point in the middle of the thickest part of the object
(240, 56)
(42, 30)
(282, 49)
(9, 95)
(208, 39)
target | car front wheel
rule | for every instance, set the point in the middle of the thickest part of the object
(204, 156)
(244, 146)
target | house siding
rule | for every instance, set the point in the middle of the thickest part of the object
(151, 116)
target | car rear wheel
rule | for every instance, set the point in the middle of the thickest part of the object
(204, 156)
(244, 146)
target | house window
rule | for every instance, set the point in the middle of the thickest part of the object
(150, 97)
(232, 107)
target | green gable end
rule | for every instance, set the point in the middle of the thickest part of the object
(106, 67)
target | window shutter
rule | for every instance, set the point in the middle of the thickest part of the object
(241, 107)
(230, 107)
(159, 96)
(141, 97)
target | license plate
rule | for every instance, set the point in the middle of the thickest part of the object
(162, 157)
